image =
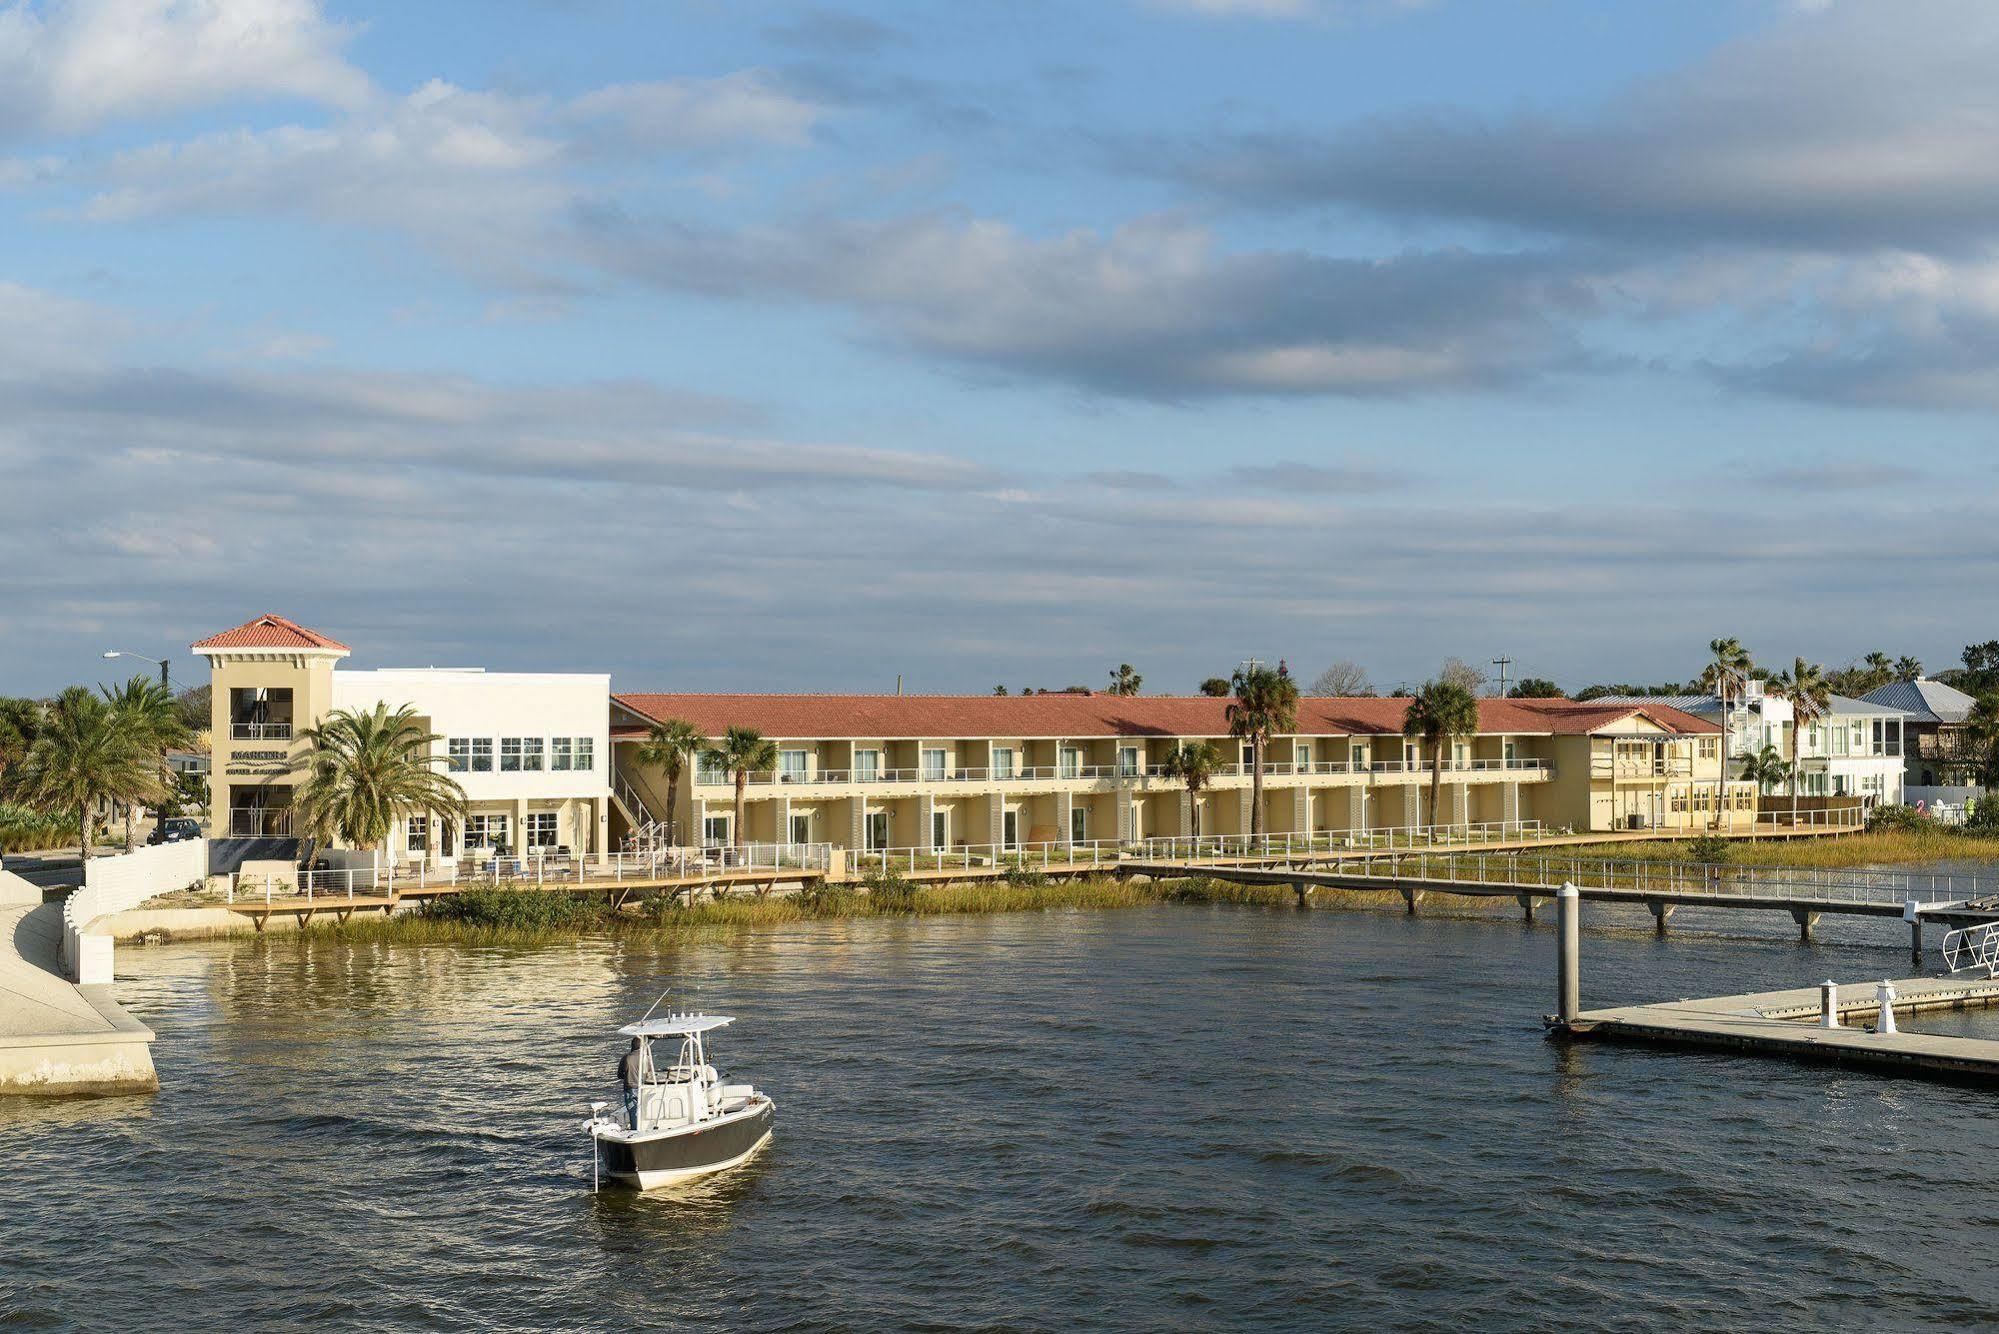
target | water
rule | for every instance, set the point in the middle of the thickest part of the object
(1173, 1117)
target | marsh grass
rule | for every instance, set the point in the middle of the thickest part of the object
(529, 917)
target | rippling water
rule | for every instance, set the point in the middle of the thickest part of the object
(1165, 1117)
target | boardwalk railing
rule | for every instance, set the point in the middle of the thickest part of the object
(1831, 821)
(1324, 844)
(1540, 871)
(538, 868)
(988, 856)
(1972, 948)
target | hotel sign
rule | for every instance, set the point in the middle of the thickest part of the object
(257, 763)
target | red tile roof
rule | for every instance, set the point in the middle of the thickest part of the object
(941, 716)
(270, 632)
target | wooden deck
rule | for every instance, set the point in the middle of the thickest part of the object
(1785, 1024)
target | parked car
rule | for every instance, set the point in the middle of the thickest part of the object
(177, 830)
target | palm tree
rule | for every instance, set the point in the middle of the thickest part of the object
(1125, 680)
(1265, 704)
(743, 751)
(83, 754)
(1981, 736)
(1766, 768)
(1810, 698)
(364, 771)
(1441, 712)
(20, 721)
(1193, 763)
(153, 716)
(1726, 673)
(1908, 668)
(670, 745)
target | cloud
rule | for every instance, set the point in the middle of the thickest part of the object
(1860, 127)
(746, 107)
(1295, 478)
(1157, 309)
(832, 32)
(69, 67)
(1835, 475)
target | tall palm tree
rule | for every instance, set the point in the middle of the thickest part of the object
(1810, 697)
(1726, 673)
(366, 770)
(84, 754)
(1265, 704)
(149, 711)
(1981, 735)
(20, 721)
(1908, 668)
(1441, 712)
(1125, 680)
(743, 751)
(1766, 768)
(1193, 763)
(671, 745)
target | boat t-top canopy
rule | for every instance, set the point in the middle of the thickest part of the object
(676, 1025)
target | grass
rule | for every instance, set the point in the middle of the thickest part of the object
(1885, 848)
(528, 917)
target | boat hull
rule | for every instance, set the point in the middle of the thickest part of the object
(651, 1161)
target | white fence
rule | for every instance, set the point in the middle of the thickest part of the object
(1335, 842)
(114, 885)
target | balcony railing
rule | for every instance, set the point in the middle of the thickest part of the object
(260, 731)
(1093, 772)
(260, 822)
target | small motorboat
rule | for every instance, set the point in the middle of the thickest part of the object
(688, 1122)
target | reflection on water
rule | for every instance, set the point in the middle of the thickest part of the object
(1163, 1117)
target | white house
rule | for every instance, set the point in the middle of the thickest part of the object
(1854, 751)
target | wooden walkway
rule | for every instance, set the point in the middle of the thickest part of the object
(1785, 1023)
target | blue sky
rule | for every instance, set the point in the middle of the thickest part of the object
(795, 345)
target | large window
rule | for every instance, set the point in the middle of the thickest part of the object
(520, 754)
(801, 828)
(560, 752)
(715, 831)
(541, 829)
(586, 754)
(469, 754)
(485, 831)
(940, 829)
(1070, 762)
(793, 766)
(933, 765)
(1079, 824)
(867, 765)
(1003, 762)
(1127, 761)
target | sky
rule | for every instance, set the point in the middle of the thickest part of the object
(775, 345)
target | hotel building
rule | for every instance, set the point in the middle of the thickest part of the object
(550, 762)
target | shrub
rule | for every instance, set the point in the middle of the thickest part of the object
(24, 830)
(1708, 849)
(502, 909)
(1983, 819)
(889, 889)
(1898, 819)
(1024, 877)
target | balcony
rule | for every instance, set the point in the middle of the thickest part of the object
(260, 822)
(1520, 767)
(260, 731)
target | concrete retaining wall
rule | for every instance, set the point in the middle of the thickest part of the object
(117, 884)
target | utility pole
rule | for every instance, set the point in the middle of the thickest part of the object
(1502, 663)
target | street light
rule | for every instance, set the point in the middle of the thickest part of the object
(161, 663)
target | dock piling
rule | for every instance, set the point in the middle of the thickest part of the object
(1806, 920)
(1885, 993)
(1568, 975)
(1829, 1004)
(1661, 914)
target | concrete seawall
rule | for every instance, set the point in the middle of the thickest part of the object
(56, 1037)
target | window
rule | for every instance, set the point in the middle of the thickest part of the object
(1301, 757)
(1511, 750)
(940, 829)
(877, 830)
(1460, 755)
(559, 753)
(541, 829)
(520, 754)
(867, 766)
(485, 831)
(1010, 828)
(792, 767)
(801, 828)
(1003, 762)
(1071, 763)
(419, 834)
(715, 831)
(1710, 748)
(469, 754)
(707, 771)
(1127, 761)
(585, 754)
(933, 765)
